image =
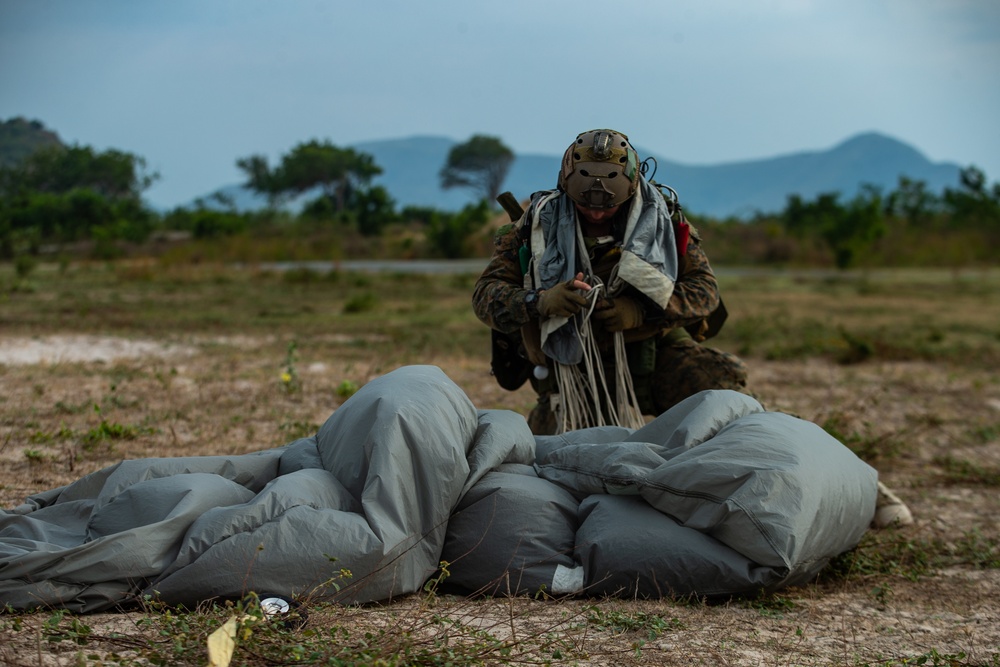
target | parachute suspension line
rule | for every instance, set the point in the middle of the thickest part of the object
(629, 412)
(579, 384)
(584, 399)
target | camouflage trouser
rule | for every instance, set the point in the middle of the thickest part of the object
(682, 368)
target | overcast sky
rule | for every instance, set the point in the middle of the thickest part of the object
(193, 85)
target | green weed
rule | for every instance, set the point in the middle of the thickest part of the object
(933, 658)
(64, 626)
(986, 434)
(884, 447)
(885, 553)
(647, 627)
(881, 593)
(69, 409)
(961, 471)
(290, 382)
(771, 606)
(361, 303)
(109, 431)
(650, 626)
(40, 438)
(857, 349)
(25, 265)
(298, 429)
(346, 389)
(873, 556)
(45, 438)
(34, 456)
(366, 279)
(165, 379)
(434, 582)
(178, 637)
(976, 551)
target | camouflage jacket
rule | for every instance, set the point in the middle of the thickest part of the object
(498, 297)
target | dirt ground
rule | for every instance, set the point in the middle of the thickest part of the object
(198, 395)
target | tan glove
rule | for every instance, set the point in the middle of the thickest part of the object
(620, 314)
(563, 300)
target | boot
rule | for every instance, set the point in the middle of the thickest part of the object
(890, 510)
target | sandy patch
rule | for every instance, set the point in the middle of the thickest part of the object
(74, 348)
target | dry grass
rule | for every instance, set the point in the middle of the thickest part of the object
(922, 404)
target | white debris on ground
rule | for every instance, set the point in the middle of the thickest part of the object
(76, 348)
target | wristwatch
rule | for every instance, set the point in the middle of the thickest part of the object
(531, 302)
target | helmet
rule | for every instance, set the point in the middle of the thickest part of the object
(600, 169)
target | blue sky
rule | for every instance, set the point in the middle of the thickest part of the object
(193, 85)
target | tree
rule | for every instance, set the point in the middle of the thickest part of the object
(481, 163)
(861, 224)
(913, 201)
(448, 233)
(259, 177)
(60, 194)
(374, 209)
(973, 204)
(847, 230)
(313, 164)
(113, 174)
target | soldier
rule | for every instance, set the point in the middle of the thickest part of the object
(603, 278)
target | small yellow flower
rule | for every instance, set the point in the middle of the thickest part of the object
(286, 377)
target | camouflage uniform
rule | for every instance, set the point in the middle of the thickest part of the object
(667, 364)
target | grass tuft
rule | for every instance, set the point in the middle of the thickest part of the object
(961, 471)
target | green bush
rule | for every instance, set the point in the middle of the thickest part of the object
(449, 233)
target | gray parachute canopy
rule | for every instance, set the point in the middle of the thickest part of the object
(715, 497)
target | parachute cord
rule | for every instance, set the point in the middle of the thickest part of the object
(583, 388)
(629, 412)
(578, 383)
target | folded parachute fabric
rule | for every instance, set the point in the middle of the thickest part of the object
(715, 497)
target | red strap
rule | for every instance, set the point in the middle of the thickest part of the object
(682, 232)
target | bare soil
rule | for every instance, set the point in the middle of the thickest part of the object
(187, 395)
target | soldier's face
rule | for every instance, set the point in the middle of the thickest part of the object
(596, 215)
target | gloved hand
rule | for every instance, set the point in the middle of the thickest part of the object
(620, 314)
(563, 300)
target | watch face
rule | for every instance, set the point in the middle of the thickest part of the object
(531, 297)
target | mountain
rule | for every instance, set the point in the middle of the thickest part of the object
(737, 189)
(741, 189)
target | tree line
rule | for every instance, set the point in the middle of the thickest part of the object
(907, 226)
(77, 199)
(58, 196)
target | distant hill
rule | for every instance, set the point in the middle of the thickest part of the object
(737, 189)
(742, 188)
(20, 137)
